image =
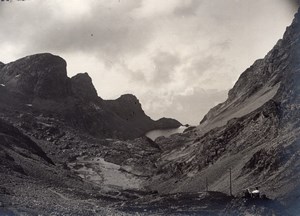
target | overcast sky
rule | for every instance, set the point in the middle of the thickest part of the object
(179, 57)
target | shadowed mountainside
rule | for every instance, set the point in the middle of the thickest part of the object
(42, 83)
(255, 133)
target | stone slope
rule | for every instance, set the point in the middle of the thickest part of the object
(32, 184)
(265, 80)
(255, 133)
(15, 144)
(256, 86)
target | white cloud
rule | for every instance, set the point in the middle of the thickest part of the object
(150, 8)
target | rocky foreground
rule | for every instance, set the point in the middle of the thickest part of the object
(45, 171)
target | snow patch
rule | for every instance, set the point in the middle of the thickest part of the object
(104, 173)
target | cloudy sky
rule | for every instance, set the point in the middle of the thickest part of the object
(179, 57)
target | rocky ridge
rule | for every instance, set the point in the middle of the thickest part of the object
(255, 133)
(41, 81)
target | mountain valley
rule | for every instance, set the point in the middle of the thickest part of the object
(66, 151)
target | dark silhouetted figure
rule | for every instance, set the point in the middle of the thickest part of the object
(247, 193)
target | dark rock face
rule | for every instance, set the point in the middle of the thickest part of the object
(1, 65)
(42, 75)
(83, 87)
(129, 109)
(288, 93)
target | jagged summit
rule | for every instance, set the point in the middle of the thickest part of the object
(130, 109)
(41, 75)
(130, 103)
(44, 76)
(82, 85)
(128, 97)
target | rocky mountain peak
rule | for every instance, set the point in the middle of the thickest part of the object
(165, 123)
(42, 75)
(130, 103)
(127, 106)
(128, 98)
(83, 87)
